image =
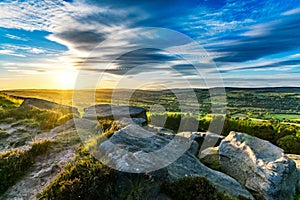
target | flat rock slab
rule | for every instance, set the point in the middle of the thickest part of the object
(107, 111)
(260, 166)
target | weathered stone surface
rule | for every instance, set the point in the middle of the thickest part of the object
(210, 157)
(204, 139)
(137, 121)
(136, 150)
(160, 129)
(44, 104)
(113, 112)
(296, 159)
(259, 165)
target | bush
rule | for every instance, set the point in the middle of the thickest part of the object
(290, 144)
(190, 188)
(14, 163)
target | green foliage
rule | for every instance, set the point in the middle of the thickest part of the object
(3, 134)
(136, 188)
(47, 119)
(14, 163)
(65, 117)
(263, 130)
(9, 102)
(290, 144)
(266, 130)
(108, 128)
(190, 188)
(86, 178)
(170, 120)
(285, 130)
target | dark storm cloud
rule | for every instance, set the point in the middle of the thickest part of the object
(185, 69)
(131, 61)
(144, 55)
(133, 58)
(82, 40)
(280, 36)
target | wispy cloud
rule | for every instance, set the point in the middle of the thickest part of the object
(10, 53)
(14, 37)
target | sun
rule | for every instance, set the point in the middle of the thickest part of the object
(66, 80)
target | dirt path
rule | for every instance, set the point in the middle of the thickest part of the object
(46, 167)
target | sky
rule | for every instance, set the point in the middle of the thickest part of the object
(149, 44)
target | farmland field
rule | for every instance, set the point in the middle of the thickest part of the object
(281, 104)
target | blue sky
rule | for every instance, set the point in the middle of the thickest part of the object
(48, 44)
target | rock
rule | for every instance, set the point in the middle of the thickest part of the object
(296, 159)
(210, 158)
(69, 124)
(188, 165)
(204, 139)
(106, 111)
(259, 165)
(160, 129)
(134, 149)
(137, 121)
(44, 104)
(194, 149)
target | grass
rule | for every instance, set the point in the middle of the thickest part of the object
(108, 127)
(14, 163)
(190, 188)
(9, 102)
(3, 134)
(85, 178)
(45, 119)
(31, 123)
(282, 117)
(137, 188)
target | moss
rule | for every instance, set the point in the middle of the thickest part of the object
(190, 188)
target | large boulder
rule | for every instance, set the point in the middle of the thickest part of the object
(107, 111)
(260, 166)
(44, 104)
(296, 159)
(210, 157)
(135, 149)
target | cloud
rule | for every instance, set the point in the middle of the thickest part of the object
(263, 40)
(232, 32)
(14, 37)
(79, 39)
(25, 49)
(10, 53)
(292, 12)
(281, 65)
